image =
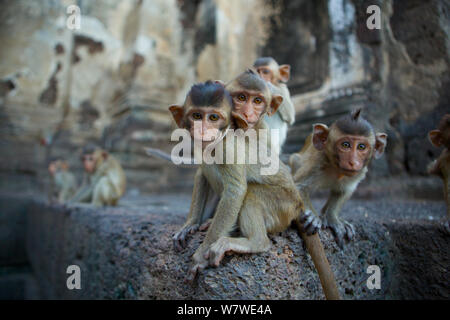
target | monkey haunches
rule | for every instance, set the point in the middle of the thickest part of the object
(441, 166)
(104, 180)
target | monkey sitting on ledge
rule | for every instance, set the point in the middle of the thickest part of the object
(104, 181)
(63, 183)
(336, 159)
(441, 166)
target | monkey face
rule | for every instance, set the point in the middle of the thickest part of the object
(352, 153)
(249, 106)
(206, 123)
(265, 73)
(88, 162)
(53, 167)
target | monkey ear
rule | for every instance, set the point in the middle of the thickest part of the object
(276, 102)
(240, 121)
(435, 137)
(285, 72)
(220, 82)
(320, 135)
(177, 114)
(380, 144)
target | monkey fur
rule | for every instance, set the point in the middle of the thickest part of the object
(256, 203)
(277, 75)
(441, 166)
(336, 159)
(63, 183)
(104, 181)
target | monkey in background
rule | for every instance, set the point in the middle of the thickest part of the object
(257, 204)
(441, 166)
(336, 159)
(63, 184)
(277, 75)
(104, 179)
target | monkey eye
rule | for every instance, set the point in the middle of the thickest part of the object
(361, 146)
(346, 144)
(265, 71)
(196, 115)
(242, 97)
(257, 100)
(214, 117)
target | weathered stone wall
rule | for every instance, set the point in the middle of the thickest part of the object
(111, 81)
(127, 253)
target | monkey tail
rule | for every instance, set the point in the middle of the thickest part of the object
(165, 156)
(317, 253)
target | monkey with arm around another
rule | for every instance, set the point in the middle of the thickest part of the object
(335, 158)
(104, 180)
(256, 203)
(63, 183)
(441, 166)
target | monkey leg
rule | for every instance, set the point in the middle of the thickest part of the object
(104, 193)
(253, 230)
(341, 229)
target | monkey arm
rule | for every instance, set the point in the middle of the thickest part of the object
(286, 110)
(199, 196)
(230, 203)
(330, 216)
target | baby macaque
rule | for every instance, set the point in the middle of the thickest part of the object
(277, 75)
(63, 183)
(441, 166)
(257, 204)
(335, 158)
(104, 180)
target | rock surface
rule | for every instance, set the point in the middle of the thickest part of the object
(111, 81)
(126, 253)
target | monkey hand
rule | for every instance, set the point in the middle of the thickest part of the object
(310, 222)
(205, 225)
(341, 230)
(179, 238)
(200, 263)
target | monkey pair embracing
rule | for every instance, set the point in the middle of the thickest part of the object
(257, 204)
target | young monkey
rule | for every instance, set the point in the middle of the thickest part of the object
(257, 204)
(336, 159)
(63, 182)
(104, 182)
(441, 167)
(277, 75)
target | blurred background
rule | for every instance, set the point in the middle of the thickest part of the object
(111, 81)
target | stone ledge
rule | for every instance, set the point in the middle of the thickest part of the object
(126, 252)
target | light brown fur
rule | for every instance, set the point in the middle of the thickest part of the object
(106, 185)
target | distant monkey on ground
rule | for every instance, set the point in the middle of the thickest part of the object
(63, 182)
(269, 69)
(104, 181)
(335, 158)
(257, 204)
(441, 166)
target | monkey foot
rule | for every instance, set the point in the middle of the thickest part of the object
(200, 263)
(179, 238)
(310, 222)
(217, 251)
(342, 230)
